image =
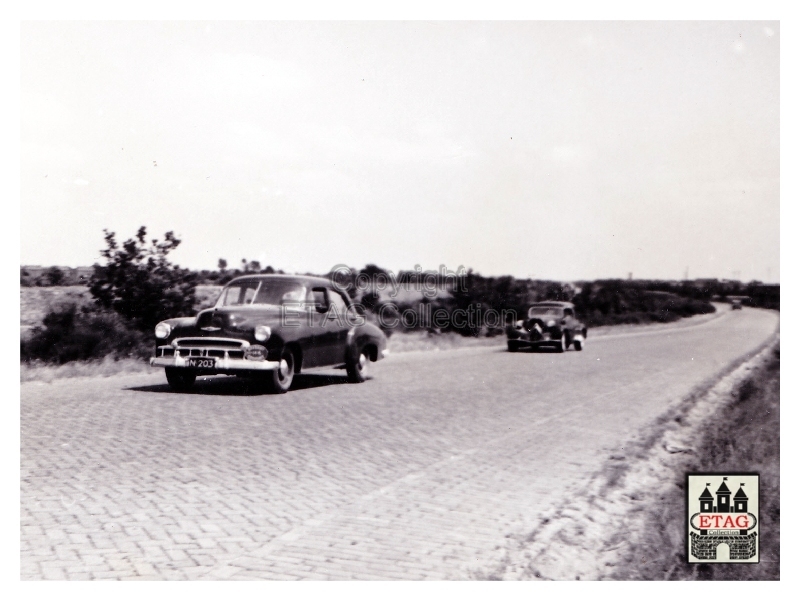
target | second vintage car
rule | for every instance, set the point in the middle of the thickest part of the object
(548, 324)
(270, 327)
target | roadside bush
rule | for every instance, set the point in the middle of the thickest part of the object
(618, 302)
(140, 284)
(69, 334)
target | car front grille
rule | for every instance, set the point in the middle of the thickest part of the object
(167, 351)
(204, 347)
(209, 342)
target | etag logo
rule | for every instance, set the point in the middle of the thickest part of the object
(722, 517)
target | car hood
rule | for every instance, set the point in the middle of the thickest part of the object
(228, 320)
(239, 317)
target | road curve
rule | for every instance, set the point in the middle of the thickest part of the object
(423, 472)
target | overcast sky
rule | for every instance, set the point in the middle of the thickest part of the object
(554, 150)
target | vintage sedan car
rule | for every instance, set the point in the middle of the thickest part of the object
(736, 304)
(270, 327)
(548, 324)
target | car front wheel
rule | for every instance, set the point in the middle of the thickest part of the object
(180, 380)
(280, 380)
(358, 370)
(563, 344)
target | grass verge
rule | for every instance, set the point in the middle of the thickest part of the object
(743, 437)
(106, 367)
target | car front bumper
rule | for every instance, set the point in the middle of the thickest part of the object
(534, 343)
(545, 340)
(221, 364)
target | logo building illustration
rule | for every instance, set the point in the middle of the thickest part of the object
(722, 526)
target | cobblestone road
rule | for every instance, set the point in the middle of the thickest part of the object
(424, 472)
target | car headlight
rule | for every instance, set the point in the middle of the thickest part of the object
(163, 330)
(262, 333)
(551, 323)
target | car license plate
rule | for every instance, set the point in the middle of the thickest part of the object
(201, 363)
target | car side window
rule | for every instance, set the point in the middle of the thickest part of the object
(316, 297)
(338, 302)
(249, 294)
(309, 302)
(568, 312)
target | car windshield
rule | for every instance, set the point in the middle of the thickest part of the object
(261, 292)
(544, 311)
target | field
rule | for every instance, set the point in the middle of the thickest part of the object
(36, 302)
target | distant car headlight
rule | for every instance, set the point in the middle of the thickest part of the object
(551, 323)
(163, 330)
(262, 333)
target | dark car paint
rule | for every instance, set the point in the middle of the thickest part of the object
(319, 339)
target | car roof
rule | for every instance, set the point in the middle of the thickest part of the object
(320, 281)
(553, 304)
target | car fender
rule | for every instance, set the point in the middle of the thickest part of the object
(180, 322)
(362, 335)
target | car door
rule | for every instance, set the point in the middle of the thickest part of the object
(313, 324)
(333, 337)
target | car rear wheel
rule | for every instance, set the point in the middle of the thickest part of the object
(358, 370)
(580, 341)
(280, 380)
(180, 380)
(513, 346)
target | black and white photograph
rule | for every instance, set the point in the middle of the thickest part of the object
(399, 300)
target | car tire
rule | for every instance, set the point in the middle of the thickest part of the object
(513, 346)
(280, 380)
(180, 380)
(563, 343)
(578, 344)
(358, 370)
